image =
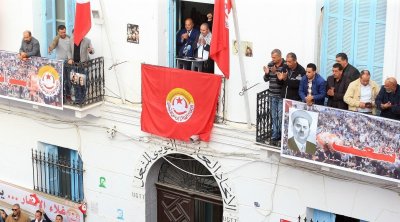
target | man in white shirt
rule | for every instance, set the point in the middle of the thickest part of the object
(203, 48)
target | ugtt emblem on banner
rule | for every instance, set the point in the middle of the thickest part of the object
(180, 105)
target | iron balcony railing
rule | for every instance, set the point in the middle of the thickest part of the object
(84, 83)
(62, 177)
(264, 119)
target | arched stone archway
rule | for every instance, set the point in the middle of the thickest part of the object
(175, 191)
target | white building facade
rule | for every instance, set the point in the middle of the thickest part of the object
(123, 166)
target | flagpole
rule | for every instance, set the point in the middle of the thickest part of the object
(242, 71)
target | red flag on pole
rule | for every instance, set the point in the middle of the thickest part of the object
(219, 51)
(178, 103)
(83, 21)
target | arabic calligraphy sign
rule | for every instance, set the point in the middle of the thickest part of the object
(365, 144)
(150, 157)
(31, 202)
(37, 80)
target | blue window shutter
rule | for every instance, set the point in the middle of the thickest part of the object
(49, 27)
(52, 176)
(69, 15)
(338, 32)
(370, 44)
(320, 215)
(76, 178)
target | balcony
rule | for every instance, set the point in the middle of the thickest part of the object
(264, 120)
(84, 83)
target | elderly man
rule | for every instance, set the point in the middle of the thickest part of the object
(301, 122)
(62, 44)
(271, 75)
(361, 94)
(388, 99)
(186, 39)
(17, 215)
(349, 71)
(203, 48)
(29, 46)
(312, 88)
(336, 87)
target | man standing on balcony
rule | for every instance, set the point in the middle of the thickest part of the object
(361, 94)
(271, 72)
(388, 99)
(186, 39)
(312, 88)
(336, 87)
(62, 44)
(29, 46)
(290, 80)
(80, 53)
(17, 215)
(349, 71)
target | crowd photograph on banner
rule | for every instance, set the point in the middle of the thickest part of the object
(363, 143)
(37, 80)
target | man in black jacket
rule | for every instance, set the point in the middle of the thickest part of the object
(290, 80)
(40, 216)
(349, 71)
(336, 87)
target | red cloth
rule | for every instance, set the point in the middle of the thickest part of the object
(219, 51)
(83, 21)
(178, 103)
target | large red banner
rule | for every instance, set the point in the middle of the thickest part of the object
(177, 103)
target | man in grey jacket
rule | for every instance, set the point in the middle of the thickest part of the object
(80, 53)
(29, 46)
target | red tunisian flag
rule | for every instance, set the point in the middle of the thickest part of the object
(178, 103)
(83, 21)
(219, 51)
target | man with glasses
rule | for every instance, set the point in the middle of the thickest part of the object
(17, 215)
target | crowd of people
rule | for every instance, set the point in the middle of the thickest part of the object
(346, 89)
(18, 216)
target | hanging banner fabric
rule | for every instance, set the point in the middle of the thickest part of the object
(37, 80)
(342, 139)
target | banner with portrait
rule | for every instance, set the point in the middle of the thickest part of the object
(360, 143)
(36, 80)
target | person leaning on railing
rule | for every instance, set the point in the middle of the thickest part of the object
(29, 46)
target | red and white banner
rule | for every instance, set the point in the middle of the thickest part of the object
(342, 139)
(37, 81)
(219, 51)
(83, 21)
(178, 103)
(31, 202)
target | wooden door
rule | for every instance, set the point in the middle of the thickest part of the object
(174, 205)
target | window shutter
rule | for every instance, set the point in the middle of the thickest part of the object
(76, 178)
(338, 34)
(69, 15)
(52, 176)
(49, 27)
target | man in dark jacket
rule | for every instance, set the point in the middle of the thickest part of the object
(290, 80)
(349, 71)
(336, 87)
(388, 99)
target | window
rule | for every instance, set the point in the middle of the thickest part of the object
(319, 215)
(57, 12)
(58, 171)
(357, 28)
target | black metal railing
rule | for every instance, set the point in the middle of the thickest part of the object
(57, 176)
(264, 119)
(91, 90)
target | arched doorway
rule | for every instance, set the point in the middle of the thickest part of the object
(185, 193)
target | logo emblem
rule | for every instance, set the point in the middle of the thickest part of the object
(180, 105)
(49, 81)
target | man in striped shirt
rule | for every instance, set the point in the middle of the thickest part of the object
(271, 75)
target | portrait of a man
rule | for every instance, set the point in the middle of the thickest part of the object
(301, 126)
